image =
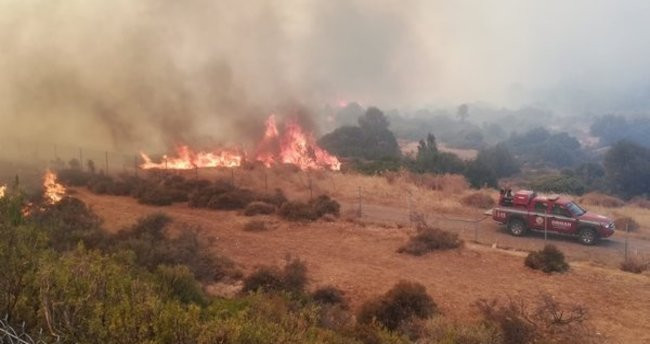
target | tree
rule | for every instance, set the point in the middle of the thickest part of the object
(429, 159)
(627, 167)
(463, 112)
(371, 140)
(479, 174)
(499, 160)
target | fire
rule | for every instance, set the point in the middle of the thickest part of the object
(187, 159)
(294, 146)
(54, 191)
(290, 146)
(3, 190)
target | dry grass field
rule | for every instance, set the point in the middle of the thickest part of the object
(362, 259)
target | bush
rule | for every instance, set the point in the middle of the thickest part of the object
(297, 211)
(255, 226)
(625, 222)
(156, 196)
(202, 194)
(405, 301)
(329, 295)
(276, 198)
(73, 177)
(430, 239)
(258, 207)
(635, 265)
(550, 259)
(560, 183)
(149, 240)
(478, 200)
(546, 321)
(264, 278)
(231, 200)
(601, 200)
(293, 278)
(323, 204)
(179, 282)
(641, 202)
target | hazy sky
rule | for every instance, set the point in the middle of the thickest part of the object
(150, 72)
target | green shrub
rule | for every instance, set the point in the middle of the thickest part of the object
(178, 282)
(430, 239)
(292, 278)
(405, 301)
(258, 207)
(550, 259)
(560, 183)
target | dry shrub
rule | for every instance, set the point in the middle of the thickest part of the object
(546, 321)
(550, 259)
(641, 202)
(624, 223)
(297, 211)
(601, 200)
(292, 278)
(635, 265)
(231, 200)
(451, 183)
(330, 295)
(277, 198)
(404, 302)
(323, 204)
(201, 196)
(257, 208)
(478, 200)
(156, 196)
(255, 226)
(430, 239)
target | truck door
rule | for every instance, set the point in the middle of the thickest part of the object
(561, 219)
(537, 217)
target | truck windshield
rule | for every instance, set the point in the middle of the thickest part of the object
(575, 209)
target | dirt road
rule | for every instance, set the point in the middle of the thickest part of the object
(609, 252)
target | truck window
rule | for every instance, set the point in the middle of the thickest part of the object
(540, 207)
(560, 211)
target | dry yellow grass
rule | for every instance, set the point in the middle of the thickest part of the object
(601, 200)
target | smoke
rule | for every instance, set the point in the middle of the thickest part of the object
(147, 74)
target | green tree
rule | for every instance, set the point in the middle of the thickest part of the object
(627, 166)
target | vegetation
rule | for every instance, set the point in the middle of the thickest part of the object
(430, 239)
(370, 140)
(627, 166)
(478, 200)
(549, 259)
(559, 183)
(311, 211)
(611, 129)
(540, 145)
(635, 265)
(404, 302)
(292, 278)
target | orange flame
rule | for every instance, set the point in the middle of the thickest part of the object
(295, 147)
(187, 159)
(292, 146)
(3, 189)
(54, 191)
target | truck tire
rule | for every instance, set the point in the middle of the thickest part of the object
(587, 236)
(516, 227)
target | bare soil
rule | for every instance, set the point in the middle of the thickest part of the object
(361, 259)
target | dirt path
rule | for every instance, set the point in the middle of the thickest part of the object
(362, 260)
(609, 252)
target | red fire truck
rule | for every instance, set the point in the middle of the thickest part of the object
(526, 210)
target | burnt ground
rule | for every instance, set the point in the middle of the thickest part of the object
(362, 260)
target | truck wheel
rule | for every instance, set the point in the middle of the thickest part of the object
(587, 236)
(516, 227)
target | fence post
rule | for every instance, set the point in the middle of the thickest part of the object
(360, 210)
(627, 234)
(106, 162)
(81, 159)
(135, 165)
